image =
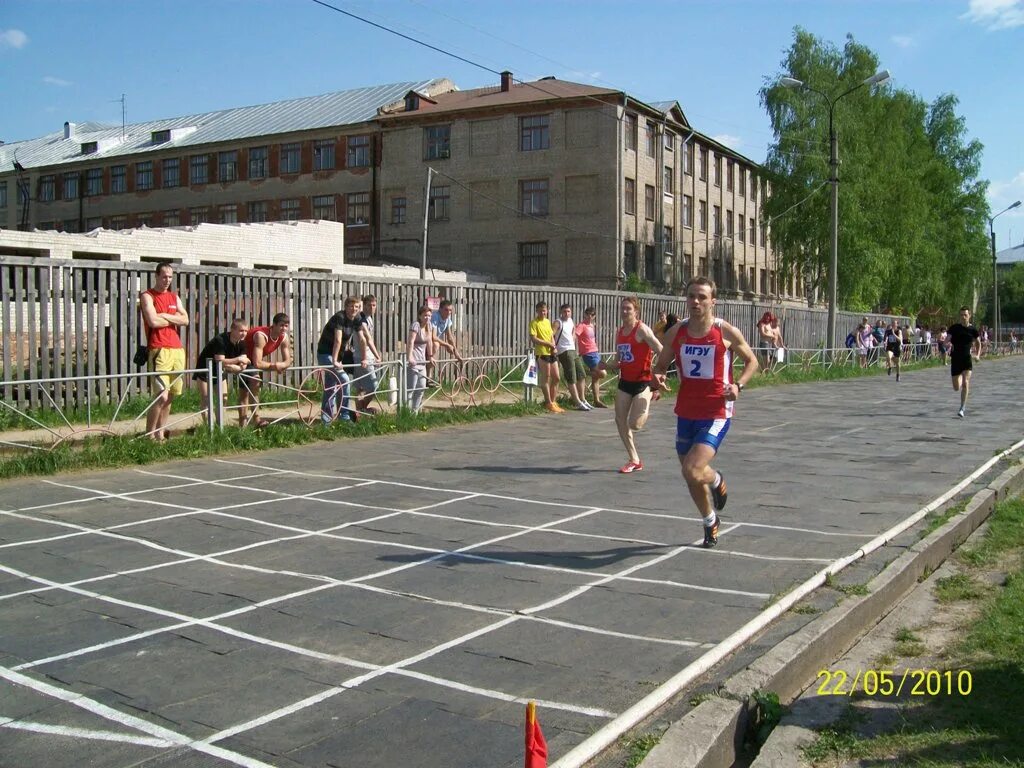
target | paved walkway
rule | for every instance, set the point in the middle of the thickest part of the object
(394, 601)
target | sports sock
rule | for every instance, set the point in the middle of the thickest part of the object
(709, 521)
(717, 481)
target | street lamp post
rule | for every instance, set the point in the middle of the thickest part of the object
(995, 274)
(833, 278)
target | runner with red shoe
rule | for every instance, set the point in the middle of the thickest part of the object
(635, 348)
(703, 347)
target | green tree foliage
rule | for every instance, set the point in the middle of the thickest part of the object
(907, 171)
(1011, 294)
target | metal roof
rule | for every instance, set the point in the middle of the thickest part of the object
(1011, 255)
(341, 108)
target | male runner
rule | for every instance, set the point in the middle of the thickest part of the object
(703, 346)
(260, 344)
(966, 342)
(893, 348)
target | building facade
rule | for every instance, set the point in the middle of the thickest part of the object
(548, 182)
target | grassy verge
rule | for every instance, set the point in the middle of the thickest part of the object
(98, 453)
(979, 729)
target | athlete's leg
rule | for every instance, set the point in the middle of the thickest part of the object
(639, 410)
(698, 475)
(965, 389)
(623, 406)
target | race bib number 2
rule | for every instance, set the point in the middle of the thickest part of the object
(698, 361)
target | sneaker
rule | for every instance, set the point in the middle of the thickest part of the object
(556, 408)
(582, 407)
(711, 533)
(719, 495)
(632, 466)
(599, 404)
(960, 413)
(888, 371)
(551, 407)
(897, 375)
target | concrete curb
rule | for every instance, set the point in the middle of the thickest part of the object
(711, 735)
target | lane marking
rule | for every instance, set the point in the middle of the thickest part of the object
(84, 733)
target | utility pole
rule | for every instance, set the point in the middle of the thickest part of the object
(426, 222)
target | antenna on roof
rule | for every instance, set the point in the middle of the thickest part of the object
(124, 114)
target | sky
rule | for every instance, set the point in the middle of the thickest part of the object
(73, 59)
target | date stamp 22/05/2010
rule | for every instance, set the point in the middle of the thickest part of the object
(890, 682)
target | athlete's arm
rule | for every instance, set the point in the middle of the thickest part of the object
(286, 350)
(739, 345)
(646, 334)
(176, 318)
(664, 359)
(150, 315)
(258, 342)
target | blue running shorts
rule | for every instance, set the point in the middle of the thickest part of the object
(707, 431)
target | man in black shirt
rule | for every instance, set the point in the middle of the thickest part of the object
(966, 346)
(229, 349)
(334, 352)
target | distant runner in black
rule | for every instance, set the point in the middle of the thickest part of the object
(966, 347)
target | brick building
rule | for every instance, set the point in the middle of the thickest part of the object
(543, 182)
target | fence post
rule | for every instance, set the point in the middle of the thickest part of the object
(403, 384)
(220, 399)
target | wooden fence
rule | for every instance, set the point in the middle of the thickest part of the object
(60, 319)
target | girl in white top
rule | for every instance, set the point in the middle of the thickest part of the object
(419, 350)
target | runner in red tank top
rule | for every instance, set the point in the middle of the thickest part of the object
(702, 347)
(635, 347)
(261, 342)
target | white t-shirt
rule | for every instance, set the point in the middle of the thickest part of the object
(362, 352)
(565, 337)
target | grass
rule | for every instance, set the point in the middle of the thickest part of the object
(99, 453)
(639, 747)
(979, 729)
(935, 521)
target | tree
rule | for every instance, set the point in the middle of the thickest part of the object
(906, 175)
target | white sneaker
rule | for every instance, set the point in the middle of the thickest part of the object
(960, 413)
(582, 407)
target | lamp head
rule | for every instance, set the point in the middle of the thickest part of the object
(880, 77)
(1015, 205)
(791, 82)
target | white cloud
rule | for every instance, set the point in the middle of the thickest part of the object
(51, 80)
(1002, 193)
(903, 41)
(13, 38)
(728, 140)
(995, 14)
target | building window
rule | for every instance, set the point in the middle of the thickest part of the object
(535, 133)
(258, 212)
(651, 139)
(358, 151)
(228, 214)
(440, 198)
(289, 210)
(630, 192)
(669, 240)
(743, 182)
(716, 221)
(650, 263)
(199, 169)
(730, 176)
(171, 173)
(323, 155)
(632, 127)
(258, 163)
(753, 231)
(144, 176)
(670, 141)
(764, 236)
(688, 159)
(71, 186)
(291, 158)
(533, 261)
(118, 222)
(144, 220)
(227, 166)
(119, 179)
(629, 258)
(718, 171)
(728, 223)
(358, 209)
(753, 187)
(3, 195)
(438, 139)
(356, 254)
(687, 211)
(649, 202)
(703, 216)
(669, 186)
(47, 187)
(324, 208)
(703, 164)
(198, 215)
(533, 197)
(398, 205)
(93, 222)
(93, 182)
(172, 218)
(741, 228)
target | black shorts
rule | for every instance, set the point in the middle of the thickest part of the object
(958, 364)
(201, 376)
(894, 348)
(547, 358)
(633, 388)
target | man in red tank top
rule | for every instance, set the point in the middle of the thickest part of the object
(702, 347)
(163, 314)
(635, 347)
(261, 343)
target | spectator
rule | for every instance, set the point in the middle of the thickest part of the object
(766, 340)
(330, 355)
(442, 323)
(564, 330)
(865, 343)
(162, 315)
(366, 356)
(419, 348)
(228, 349)
(542, 338)
(586, 339)
(260, 344)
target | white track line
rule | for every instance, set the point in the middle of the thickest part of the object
(84, 733)
(130, 721)
(597, 742)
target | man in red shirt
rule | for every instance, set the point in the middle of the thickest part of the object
(163, 314)
(703, 347)
(260, 344)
